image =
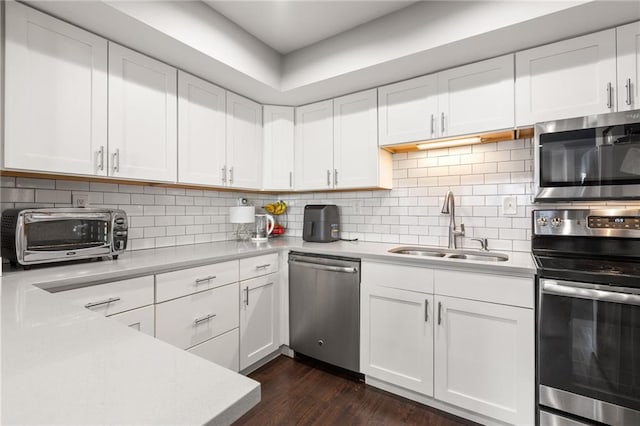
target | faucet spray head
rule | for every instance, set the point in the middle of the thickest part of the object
(445, 206)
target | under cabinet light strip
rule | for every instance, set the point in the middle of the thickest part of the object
(450, 143)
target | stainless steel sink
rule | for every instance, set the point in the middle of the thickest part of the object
(480, 256)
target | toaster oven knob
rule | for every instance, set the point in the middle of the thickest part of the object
(542, 221)
(555, 222)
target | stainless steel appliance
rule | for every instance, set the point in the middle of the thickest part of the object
(588, 264)
(44, 235)
(324, 308)
(321, 223)
(588, 158)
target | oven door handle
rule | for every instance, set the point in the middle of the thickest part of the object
(564, 288)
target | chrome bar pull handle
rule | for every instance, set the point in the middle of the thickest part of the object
(609, 93)
(205, 318)
(101, 158)
(628, 86)
(433, 121)
(116, 161)
(439, 313)
(205, 279)
(335, 177)
(442, 123)
(224, 174)
(328, 177)
(246, 299)
(102, 302)
(230, 175)
(290, 179)
(426, 310)
(266, 265)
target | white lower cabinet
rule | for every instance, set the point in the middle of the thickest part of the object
(475, 355)
(223, 350)
(141, 319)
(259, 318)
(397, 338)
(190, 320)
(484, 358)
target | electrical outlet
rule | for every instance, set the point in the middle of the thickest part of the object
(80, 199)
(509, 205)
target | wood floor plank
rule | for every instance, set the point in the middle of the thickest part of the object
(297, 393)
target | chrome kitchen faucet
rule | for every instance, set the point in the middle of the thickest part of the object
(449, 207)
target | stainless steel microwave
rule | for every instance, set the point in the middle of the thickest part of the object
(44, 235)
(589, 158)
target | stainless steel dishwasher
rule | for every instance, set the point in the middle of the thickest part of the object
(324, 308)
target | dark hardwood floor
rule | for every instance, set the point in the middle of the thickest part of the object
(296, 392)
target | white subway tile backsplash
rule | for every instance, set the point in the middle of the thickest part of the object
(117, 198)
(53, 196)
(35, 183)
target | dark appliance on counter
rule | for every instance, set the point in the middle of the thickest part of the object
(588, 290)
(45, 235)
(588, 158)
(321, 223)
(324, 308)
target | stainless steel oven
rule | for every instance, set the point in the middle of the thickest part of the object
(588, 158)
(588, 315)
(44, 235)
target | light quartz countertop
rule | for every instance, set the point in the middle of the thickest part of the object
(68, 365)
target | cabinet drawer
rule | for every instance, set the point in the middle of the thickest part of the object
(223, 350)
(259, 265)
(192, 319)
(516, 291)
(115, 297)
(411, 278)
(188, 281)
(141, 319)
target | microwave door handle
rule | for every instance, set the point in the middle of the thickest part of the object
(310, 229)
(554, 288)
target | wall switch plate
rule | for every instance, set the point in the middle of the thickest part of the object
(509, 205)
(80, 199)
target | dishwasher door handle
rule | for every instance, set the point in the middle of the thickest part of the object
(322, 267)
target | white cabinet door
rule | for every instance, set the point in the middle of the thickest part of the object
(201, 131)
(356, 155)
(56, 95)
(142, 116)
(278, 148)
(570, 78)
(408, 110)
(314, 146)
(484, 358)
(223, 350)
(477, 97)
(259, 319)
(628, 37)
(396, 339)
(244, 142)
(141, 319)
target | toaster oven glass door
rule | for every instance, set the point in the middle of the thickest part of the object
(66, 234)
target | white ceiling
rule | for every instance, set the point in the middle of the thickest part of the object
(288, 25)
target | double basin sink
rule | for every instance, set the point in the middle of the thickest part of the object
(481, 256)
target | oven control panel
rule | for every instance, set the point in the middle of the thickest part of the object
(623, 223)
(614, 222)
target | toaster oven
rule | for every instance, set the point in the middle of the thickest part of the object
(45, 235)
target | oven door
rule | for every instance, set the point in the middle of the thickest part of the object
(589, 350)
(53, 236)
(597, 159)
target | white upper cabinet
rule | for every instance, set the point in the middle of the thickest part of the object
(570, 78)
(314, 146)
(356, 156)
(244, 142)
(408, 110)
(201, 131)
(55, 95)
(142, 116)
(628, 37)
(278, 148)
(476, 97)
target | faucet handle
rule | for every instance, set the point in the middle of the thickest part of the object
(484, 243)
